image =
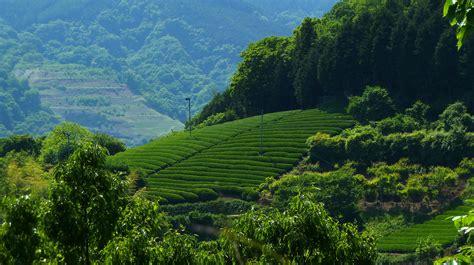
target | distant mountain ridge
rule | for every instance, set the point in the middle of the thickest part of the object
(164, 50)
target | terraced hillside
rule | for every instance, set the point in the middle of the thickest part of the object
(99, 102)
(440, 228)
(230, 158)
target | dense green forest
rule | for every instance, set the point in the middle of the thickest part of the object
(163, 50)
(20, 108)
(405, 46)
(337, 145)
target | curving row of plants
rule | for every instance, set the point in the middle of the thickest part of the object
(440, 229)
(233, 163)
(233, 167)
(178, 146)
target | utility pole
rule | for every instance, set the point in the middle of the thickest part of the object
(261, 135)
(189, 113)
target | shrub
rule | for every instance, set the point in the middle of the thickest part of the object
(400, 145)
(408, 182)
(402, 168)
(443, 148)
(468, 192)
(113, 145)
(386, 187)
(19, 143)
(428, 250)
(326, 148)
(456, 117)
(218, 118)
(207, 194)
(418, 111)
(339, 190)
(466, 168)
(399, 123)
(374, 104)
(249, 194)
(364, 144)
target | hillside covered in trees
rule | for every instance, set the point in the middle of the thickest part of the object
(405, 46)
(162, 50)
(373, 164)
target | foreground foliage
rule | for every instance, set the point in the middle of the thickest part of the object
(461, 15)
(302, 234)
(84, 204)
(89, 217)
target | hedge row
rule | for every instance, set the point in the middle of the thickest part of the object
(368, 145)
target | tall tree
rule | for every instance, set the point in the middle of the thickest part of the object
(84, 204)
(258, 77)
(20, 237)
(62, 141)
(304, 63)
(303, 234)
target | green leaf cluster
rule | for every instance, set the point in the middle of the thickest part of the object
(461, 15)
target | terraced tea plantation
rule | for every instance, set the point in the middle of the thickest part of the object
(95, 99)
(441, 229)
(230, 158)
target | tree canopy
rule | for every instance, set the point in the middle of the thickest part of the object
(406, 47)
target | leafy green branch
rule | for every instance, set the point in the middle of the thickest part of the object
(465, 255)
(461, 14)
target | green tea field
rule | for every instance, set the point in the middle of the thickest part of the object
(97, 100)
(230, 158)
(440, 228)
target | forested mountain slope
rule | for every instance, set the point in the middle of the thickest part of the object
(20, 108)
(163, 50)
(405, 46)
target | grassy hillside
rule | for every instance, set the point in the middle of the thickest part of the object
(230, 158)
